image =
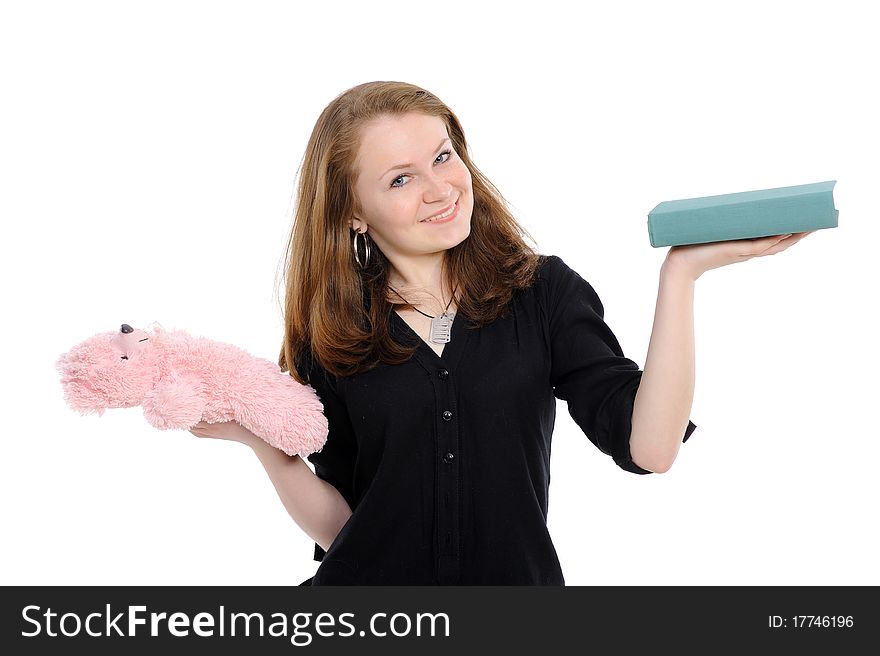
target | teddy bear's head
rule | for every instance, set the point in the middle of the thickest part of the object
(110, 370)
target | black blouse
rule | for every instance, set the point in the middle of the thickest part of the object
(445, 460)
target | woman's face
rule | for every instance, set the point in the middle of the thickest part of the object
(406, 172)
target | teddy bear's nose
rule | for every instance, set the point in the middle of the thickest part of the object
(127, 329)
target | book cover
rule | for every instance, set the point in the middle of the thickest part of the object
(743, 215)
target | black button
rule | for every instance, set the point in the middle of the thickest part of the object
(447, 415)
(449, 457)
(443, 374)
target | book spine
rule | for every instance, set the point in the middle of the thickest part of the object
(746, 220)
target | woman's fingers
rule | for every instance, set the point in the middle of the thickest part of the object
(779, 243)
(794, 238)
(201, 429)
(224, 430)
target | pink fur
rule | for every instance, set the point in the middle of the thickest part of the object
(180, 380)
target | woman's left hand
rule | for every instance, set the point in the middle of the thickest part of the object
(695, 259)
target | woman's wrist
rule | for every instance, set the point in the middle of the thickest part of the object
(674, 267)
(266, 452)
(247, 437)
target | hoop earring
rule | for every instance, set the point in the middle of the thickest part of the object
(366, 249)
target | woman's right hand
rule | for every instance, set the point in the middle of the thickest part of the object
(227, 430)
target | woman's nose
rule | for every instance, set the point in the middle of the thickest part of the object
(439, 188)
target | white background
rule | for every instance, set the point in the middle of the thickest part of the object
(147, 164)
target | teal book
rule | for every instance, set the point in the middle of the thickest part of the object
(743, 215)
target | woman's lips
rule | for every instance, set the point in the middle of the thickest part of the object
(445, 219)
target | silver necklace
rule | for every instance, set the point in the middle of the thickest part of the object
(441, 326)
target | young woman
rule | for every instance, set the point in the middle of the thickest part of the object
(438, 342)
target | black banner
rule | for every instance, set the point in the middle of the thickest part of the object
(276, 620)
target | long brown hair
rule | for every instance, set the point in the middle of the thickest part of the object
(341, 312)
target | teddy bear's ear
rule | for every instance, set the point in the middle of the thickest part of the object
(158, 335)
(155, 328)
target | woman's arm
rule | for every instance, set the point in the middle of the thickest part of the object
(666, 391)
(665, 395)
(316, 506)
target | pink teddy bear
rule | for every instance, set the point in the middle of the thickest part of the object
(180, 380)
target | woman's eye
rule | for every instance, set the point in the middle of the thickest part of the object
(399, 177)
(445, 152)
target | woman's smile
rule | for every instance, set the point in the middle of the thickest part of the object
(444, 217)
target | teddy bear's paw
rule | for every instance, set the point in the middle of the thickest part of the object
(159, 420)
(262, 427)
(174, 404)
(302, 432)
